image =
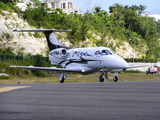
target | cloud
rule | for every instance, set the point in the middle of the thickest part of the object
(156, 16)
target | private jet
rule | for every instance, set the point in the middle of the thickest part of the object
(79, 60)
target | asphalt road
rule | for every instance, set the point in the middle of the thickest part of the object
(82, 101)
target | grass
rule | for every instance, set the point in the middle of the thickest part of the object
(72, 78)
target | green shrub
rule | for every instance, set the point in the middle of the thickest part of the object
(132, 71)
(37, 35)
(2, 13)
(3, 6)
(30, 60)
(4, 77)
(10, 5)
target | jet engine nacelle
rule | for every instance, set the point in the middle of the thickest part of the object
(60, 52)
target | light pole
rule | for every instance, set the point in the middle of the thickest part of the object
(133, 48)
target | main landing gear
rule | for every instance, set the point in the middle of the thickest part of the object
(62, 76)
(104, 75)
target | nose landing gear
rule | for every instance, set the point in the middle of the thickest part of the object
(101, 78)
(104, 75)
(115, 78)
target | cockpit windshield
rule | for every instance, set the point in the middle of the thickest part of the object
(113, 52)
(106, 52)
(103, 52)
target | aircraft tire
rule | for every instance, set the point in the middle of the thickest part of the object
(115, 78)
(101, 79)
(62, 81)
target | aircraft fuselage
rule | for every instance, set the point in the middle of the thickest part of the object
(88, 59)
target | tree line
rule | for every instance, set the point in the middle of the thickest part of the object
(121, 23)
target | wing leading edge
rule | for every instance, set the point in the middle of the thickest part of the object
(123, 69)
(48, 68)
(132, 66)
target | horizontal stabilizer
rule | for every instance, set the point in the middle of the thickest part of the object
(45, 30)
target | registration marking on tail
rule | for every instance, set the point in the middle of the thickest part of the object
(6, 89)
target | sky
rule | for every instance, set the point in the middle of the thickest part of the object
(153, 6)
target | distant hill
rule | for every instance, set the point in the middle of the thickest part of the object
(24, 43)
(98, 28)
(27, 43)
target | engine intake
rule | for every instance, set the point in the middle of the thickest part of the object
(61, 52)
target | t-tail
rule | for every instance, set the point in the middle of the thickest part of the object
(51, 39)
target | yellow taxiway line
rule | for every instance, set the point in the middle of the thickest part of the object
(5, 89)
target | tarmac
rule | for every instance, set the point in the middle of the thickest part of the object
(81, 101)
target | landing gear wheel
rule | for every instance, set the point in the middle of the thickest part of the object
(62, 80)
(101, 79)
(115, 78)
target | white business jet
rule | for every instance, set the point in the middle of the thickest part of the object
(79, 60)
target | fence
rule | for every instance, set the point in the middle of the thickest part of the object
(8, 57)
(141, 60)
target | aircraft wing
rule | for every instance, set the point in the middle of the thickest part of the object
(48, 68)
(133, 66)
(123, 69)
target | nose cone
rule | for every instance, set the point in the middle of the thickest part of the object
(118, 63)
(122, 63)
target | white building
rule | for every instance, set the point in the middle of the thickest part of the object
(65, 5)
(23, 4)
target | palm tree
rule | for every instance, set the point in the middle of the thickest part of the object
(29, 6)
(97, 9)
(141, 9)
(36, 3)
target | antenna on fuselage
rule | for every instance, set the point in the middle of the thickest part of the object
(95, 45)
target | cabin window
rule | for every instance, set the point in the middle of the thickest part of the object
(97, 52)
